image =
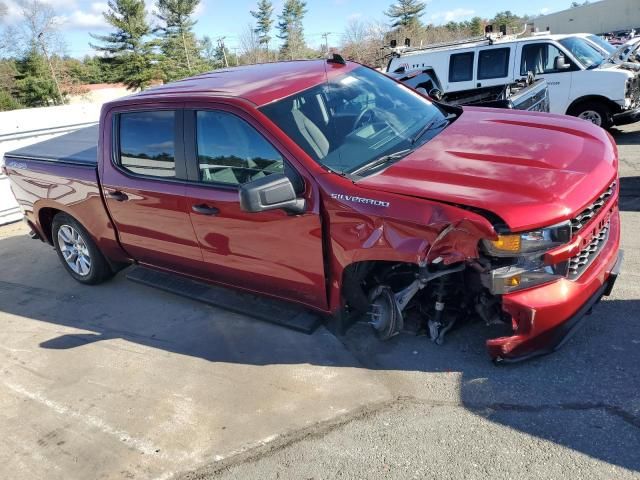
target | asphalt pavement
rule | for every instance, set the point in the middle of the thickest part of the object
(122, 381)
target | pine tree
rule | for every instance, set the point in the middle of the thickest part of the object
(34, 85)
(512, 21)
(476, 25)
(264, 21)
(181, 53)
(290, 28)
(128, 48)
(405, 13)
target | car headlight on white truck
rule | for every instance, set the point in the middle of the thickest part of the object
(526, 249)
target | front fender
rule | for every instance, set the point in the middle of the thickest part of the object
(395, 228)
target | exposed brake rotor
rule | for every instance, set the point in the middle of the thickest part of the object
(385, 316)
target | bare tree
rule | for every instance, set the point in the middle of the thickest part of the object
(250, 45)
(4, 37)
(38, 29)
(362, 42)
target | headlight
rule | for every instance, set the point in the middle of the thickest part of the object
(529, 243)
(524, 274)
(526, 249)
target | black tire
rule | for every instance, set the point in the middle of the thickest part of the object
(98, 269)
(595, 112)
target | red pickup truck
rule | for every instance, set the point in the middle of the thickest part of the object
(328, 184)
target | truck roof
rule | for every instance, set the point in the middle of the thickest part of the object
(260, 84)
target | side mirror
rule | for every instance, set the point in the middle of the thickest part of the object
(560, 64)
(436, 94)
(272, 192)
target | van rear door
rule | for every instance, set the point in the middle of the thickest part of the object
(459, 74)
(495, 65)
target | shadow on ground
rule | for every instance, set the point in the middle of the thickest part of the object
(584, 397)
(630, 194)
(626, 138)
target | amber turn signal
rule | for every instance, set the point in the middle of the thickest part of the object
(507, 243)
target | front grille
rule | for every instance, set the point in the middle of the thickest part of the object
(580, 262)
(592, 210)
(633, 90)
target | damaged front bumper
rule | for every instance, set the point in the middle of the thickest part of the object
(544, 317)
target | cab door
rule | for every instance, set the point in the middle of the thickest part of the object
(540, 58)
(272, 252)
(143, 179)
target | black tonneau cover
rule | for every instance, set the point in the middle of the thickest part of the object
(79, 147)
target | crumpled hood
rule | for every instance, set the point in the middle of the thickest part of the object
(530, 169)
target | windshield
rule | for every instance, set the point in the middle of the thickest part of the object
(627, 52)
(357, 119)
(603, 44)
(586, 54)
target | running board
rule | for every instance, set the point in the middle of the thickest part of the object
(266, 309)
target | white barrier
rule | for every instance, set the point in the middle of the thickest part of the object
(19, 128)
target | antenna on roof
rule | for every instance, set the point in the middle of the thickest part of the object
(336, 58)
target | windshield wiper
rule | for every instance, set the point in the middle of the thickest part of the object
(381, 161)
(429, 126)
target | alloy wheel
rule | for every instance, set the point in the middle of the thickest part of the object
(74, 250)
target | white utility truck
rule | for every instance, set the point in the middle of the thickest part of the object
(581, 83)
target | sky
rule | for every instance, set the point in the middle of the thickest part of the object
(228, 18)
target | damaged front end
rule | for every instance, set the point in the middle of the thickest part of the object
(441, 290)
(536, 284)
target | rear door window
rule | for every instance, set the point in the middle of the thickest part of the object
(461, 67)
(493, 63)
(147, 143)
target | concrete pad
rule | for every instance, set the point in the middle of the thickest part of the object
(120, 380)
(420, 441)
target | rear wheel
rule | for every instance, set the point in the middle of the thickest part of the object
(77, 251)
(595, 112)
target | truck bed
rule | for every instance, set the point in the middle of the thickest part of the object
(79, 147)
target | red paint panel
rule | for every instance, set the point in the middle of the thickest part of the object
(153, 224)
(530, 169)
(269, 252)
(259, 84)
(70, 189)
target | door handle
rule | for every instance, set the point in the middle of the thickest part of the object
(205, 209)
(118, 196)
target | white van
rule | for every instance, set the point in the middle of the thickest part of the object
(580, 82)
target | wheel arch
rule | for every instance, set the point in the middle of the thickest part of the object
(103, 235)
(593, 98)
(45, 220)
